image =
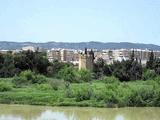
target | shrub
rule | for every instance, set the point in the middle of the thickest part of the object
(84, 75)
(67, 74)
(20, 81)
(157, 79)
(43, 87)
(4, 86)
(98, 95)
(69, 93)
(149, 74)
(56, 83)
(83, 93)
(141, 97)
(39, 79)
(110, 80)
(29, 75)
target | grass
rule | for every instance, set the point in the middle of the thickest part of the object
(95, 93)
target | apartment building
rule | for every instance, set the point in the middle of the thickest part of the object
(63, 55)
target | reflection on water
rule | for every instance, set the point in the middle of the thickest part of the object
(119, 117)
(26, 112)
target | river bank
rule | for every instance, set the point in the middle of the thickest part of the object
(109, 93)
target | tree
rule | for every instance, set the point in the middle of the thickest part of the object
(8, 69)
(40, 63)
(98, 68)
(55, 67)
(150, 62)
(135, 71)
(107, 70)
(20, 61)
(121, 70)
(34, 61)
(157, 66)
(127, 70)
(1, 60)
(132, 57)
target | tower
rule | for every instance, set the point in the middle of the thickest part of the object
(86, 60)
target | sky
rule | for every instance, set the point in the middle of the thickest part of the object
(136, 21)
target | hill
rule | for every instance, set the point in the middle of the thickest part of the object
(81, 45)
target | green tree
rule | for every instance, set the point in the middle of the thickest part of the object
(28, 60)
(8, 69)
(157, 66)
(98, 68)
(55, 67)
(127, 70)
(107, 70)
(150, 62)
(132, 57)
(1, 60)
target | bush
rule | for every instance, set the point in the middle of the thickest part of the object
(141, 97)
(110, 80)
(29, 75)
(56, 83)
(84, 75)
(111, 95)
(149, 75)
(5, 86)
(67, 74)
(39, 79)
(157, 79)
(83, 93)
(20, 81)
(69, 93)
(43, 87)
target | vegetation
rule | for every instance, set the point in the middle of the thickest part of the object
(29, 78)
(5, 86)
(108, 92)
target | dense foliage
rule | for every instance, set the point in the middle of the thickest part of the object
(125, 70)
(108, 92)
(13, 64)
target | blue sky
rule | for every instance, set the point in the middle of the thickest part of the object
(80, 20)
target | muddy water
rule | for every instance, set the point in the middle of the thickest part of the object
(27, 112)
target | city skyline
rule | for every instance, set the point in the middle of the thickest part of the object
(80, 21)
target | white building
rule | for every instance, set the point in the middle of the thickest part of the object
(31, 48)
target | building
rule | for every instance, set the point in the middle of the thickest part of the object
(63, 55)
(124, 54)
(67, 55)
(4, 51)
(30, 48)
(86, 60)
(54, 54)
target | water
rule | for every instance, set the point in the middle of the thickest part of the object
(26, 112)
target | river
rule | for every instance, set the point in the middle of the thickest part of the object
(28, 112)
